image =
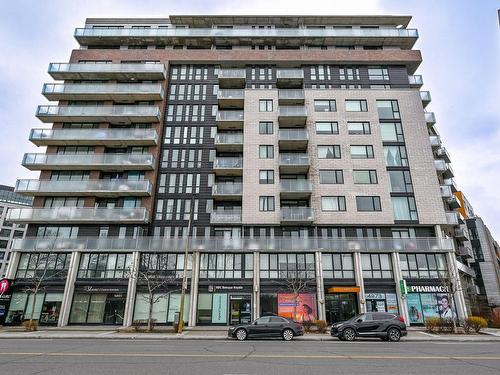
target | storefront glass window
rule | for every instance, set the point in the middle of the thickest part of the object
(96, 308)
(38, 306)
(226, 266)
(104, 266)
(382, 302)
(285, 266)
(174, 306)
(204, 308)
(16, 308)
(376, 266)
(141, 308)
(423, 265)
(338, 266)
(43, 265)
(167, 265)
(79, 308)
(422, 306)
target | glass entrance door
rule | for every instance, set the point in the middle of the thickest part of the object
(340, 307)
(240, 310)
(114, 310)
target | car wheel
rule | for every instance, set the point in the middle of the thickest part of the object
(349, 334)
(393, 334)
(287, 334)
(241, 334)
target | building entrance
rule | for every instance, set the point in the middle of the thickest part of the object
(240, 310)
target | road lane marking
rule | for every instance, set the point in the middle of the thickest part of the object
(241, 355)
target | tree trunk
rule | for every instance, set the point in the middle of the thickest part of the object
(32, 311)
(150, 315)
(453, 317)
(295, 307)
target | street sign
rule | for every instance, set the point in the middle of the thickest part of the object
(402, 287)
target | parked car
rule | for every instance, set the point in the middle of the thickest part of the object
(267, 326)
(388, 327)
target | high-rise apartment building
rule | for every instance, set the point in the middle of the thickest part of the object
(282, 147)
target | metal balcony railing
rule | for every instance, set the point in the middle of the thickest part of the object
(101, 135)
(77, 214)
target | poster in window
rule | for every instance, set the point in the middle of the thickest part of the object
(445, 307)
(392, 303)
(429, 305)
(219, 308)
(414, 308)
(304, 306)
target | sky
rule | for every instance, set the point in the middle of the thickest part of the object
(459, 40)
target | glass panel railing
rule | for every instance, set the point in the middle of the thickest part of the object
(435, 140)
(296, 214)
(61, 186)
(104, 110)
(225, 216)
(93, 134)
(232, 73)
(106, 68)
(88, 159)
(65, 214)
(446, 191)
(452, 218)
(429, 117)
(227, 189)
(104, 88)
(425, 96)
(295, 186)
(289, 74)
(229, 138)
(230, 94)
(415, 80)
(294, 159)
(293, 135)
(230, 116)
(228, 162)
(291, 94)
(292, 111)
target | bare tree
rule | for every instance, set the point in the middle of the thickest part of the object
(450, 282)
(296, 283)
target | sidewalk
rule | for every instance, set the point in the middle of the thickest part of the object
(211, 333)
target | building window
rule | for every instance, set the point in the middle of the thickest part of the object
(358, 128)
(388, 109)
(329, 152)
(324, 127)
(325, 106)
(265, 105)
(376, 266)
(362, 152)
(348, 73)
(266, 176)
(378, 73)
(331, 176)
(365, 176)
(104, 266)
(337, 266)
(266, 152)
(404, 208)
(287, 266)
(265, 127)
(165, 265)
(43, 265)
(392, 132)
(395, 156)
(333, 203)
(423, 266)
(226, 266)
(266, 203)
(366, 204)
(400, 182)
(356, 105)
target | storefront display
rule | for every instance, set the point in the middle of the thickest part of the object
(382, 302)
(98, 305)
(217, 307)
(165, 306)
(340, 307)
(303, 305)
(428, 301)
(46, 308)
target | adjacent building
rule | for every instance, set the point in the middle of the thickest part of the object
(273, 148)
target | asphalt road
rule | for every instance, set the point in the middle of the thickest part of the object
(263, 357)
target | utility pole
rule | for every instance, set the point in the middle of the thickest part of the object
(180, 326)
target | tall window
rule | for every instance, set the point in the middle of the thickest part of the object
(331, 176)
(423, 266)
(326, 127)
(388, 109)
(104, 266)
(266, 176)
(266, 152)
(329, 152)
(371, 203)
(358, 127)
(337, 266)
(266, 203)
(167, 265)
(364, 176)
(362, 152)
(395, 156)
(226, 266)
(356, 105)
(43, 265)
(404, 208)
(378, 73)
(400, 182)
(265, 105)
(392, 132)
(325, 106)
(376, 266)
(333, 203)
(265, 127)
(286, 266)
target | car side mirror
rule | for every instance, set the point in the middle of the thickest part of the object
(255, 323)
(359, 320)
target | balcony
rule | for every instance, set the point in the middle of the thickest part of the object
(119, 114)
(119, 72)
(296, 215)
(117, 92)
(229, 142)
(442, 153)
(462, 233)
(295, 189)
(228, 166)
(225, 217)
(72, 215)
(231, 99)
(95, 137)
(446, 191)
(232, 78)
(452, 218)
(425, 96)
(227, 191)
(465, 251)
(453, 202)
(96, 188)
(403, 38)
(443, 168)
(291, 97)
(102, 162)
(293, 139)
(451, 183)
(230, 120)
(294, 163)
(292, 116)
(415, 81)
(430, 119)
(435, 141)
(289, 78)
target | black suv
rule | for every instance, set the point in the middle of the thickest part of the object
(270, 326)
(389, 327)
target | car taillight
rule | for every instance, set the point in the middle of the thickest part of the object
(401, 319)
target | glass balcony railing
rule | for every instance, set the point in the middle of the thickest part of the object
(462, 233)
(452, 218)
(446, 191)
(96, 71)
(294, 159)
(415, 80)
(229, 138)
(293, 135)
(297, 74)
(435, 140)
(232, 74)
(228, 163)
(231, 94)
(54, 112)
(442, 153)
(84, 187)
(298, 214)
(451, 183)
(225, 216)
(77, 214)
(292, 111)
(227, 188)
(98, 135)
(295, 186)
(262, 244)
(60, 91)
(425, 96)
(291, 96)
(430, 119)
(444, 168)
(230, 116)
(89, 161)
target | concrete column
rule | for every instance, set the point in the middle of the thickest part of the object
(256, 286)
(396, 267)
(69, 289)
(10, 272)
(320, 286)
(458, 295)
(193, 296)
(358, 275)
(131, 290)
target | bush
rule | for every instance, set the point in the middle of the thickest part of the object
(307, 324)
(30, 325)
(433, 325)
(476, 323)
(321, 326)
(446, 325)
(466, 326)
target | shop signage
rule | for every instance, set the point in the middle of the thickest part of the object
(402, 287)
(219, 308)
(344, 289)
(224, 288)
(4, 286)
(427, 289)
(101, 289)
